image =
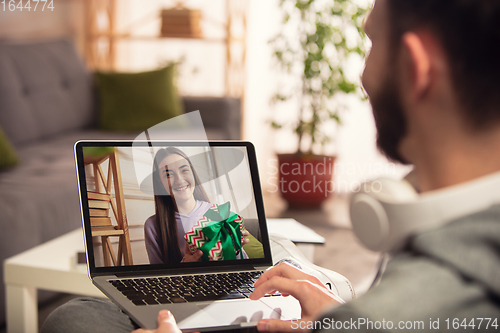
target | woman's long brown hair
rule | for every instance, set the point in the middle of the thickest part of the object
(165, 207)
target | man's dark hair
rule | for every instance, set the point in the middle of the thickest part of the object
(470, 34)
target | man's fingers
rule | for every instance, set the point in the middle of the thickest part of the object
(284, 269)
(276, 325)
(166, 323)
(284, 285)
(279, 270)
(312, 297)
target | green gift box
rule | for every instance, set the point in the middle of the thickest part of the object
(217, 234)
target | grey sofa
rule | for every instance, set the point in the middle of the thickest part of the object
(47, 103)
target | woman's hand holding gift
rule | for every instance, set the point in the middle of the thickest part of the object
(191, 257)
(244, 235)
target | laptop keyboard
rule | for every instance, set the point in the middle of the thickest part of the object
(189, 288)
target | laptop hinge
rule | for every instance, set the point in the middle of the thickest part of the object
(186, 271)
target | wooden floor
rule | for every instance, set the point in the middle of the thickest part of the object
(341, 252)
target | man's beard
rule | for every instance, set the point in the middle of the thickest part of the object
(389, 119)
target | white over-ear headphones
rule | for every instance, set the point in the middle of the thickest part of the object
(385, 212)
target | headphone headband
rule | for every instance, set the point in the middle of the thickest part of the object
(385, 213)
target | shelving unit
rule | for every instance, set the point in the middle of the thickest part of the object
(102, 37)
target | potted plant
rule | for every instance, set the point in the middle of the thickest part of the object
(315, 43)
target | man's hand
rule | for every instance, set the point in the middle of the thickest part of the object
(191, 257)
(313, 296)
(166, 324)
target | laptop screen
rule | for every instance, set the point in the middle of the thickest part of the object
(156, 205)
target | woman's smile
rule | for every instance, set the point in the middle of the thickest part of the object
(183, 188)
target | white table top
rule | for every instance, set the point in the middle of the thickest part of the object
(294, 231)
(55, 254)
(52, 266)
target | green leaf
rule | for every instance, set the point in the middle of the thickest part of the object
(336, 117)
(276, 126)
(287, 18)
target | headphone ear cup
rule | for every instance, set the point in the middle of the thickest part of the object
(369, 221)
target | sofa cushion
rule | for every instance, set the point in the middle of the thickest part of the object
(45, 90)
(137, 101)
(8, 156)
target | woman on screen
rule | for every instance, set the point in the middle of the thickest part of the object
(180, 201)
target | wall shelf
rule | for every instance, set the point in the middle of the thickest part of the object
(102, 38)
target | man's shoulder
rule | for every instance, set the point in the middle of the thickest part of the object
(413, 288)
(468, 246)
(449, 272)
(416, 290)
(478, 220)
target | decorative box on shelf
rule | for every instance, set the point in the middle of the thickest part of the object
(181, 22)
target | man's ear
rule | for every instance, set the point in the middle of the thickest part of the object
(418, 64)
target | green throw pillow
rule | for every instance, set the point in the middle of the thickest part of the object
(254, 248)
(97, 151)
(137, 101)
(8, 156)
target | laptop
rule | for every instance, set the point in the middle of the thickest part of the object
(139, 199)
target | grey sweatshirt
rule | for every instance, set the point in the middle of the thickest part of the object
(443, 277)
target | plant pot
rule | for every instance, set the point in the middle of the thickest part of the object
(305, 181)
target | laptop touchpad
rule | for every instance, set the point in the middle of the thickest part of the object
(238, 312)
(287, 307)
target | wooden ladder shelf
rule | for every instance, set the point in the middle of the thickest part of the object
(101, 201)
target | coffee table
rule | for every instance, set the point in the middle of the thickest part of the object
(53, 266)
(50, 266)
